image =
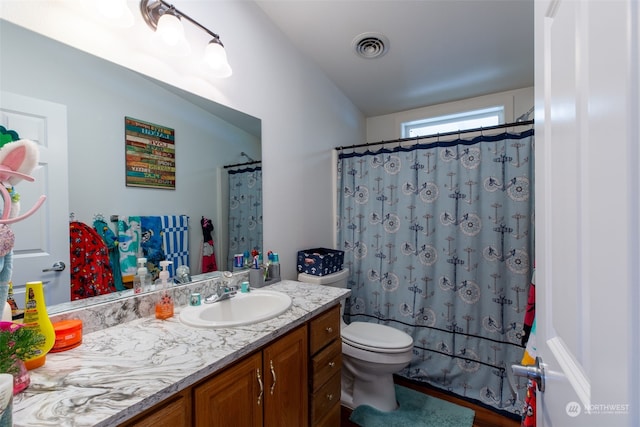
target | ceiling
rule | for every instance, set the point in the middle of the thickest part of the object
(438, 51)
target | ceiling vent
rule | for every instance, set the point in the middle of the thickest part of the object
(370, 45)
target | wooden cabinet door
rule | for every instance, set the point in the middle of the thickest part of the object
(173, 412)
(285, 366)
(233, 398)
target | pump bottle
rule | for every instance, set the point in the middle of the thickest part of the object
(164, 304)
(142, 279)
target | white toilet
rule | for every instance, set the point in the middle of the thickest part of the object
(371, 354)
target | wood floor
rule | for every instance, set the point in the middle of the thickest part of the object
(484, 417)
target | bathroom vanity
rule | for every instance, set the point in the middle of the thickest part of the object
(148, 372)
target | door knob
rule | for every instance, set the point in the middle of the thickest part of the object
(57, 266)
(533, 372)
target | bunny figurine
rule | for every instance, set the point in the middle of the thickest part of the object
(17, 160)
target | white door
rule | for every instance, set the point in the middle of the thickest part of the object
(587, 229)
(43, 238)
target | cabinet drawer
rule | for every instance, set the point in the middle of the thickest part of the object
(325, 364)
(331, 419)
(324, 329)
(324, 400)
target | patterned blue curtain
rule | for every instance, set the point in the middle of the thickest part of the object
(439, 242)
(245, 211)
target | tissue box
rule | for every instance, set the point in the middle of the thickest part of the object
(320, 261)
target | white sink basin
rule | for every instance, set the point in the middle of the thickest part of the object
(243, 309)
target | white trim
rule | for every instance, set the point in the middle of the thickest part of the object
(572, 370)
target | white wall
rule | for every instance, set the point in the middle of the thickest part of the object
(303, 114)
(388, 127)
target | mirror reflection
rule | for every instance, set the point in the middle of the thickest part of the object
(74, 105)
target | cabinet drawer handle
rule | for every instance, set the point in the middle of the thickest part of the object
(329, 329)
(332, 364)
(261, 387)
(330, 397)
(273, 374)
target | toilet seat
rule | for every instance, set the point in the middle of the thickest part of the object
(376, 338)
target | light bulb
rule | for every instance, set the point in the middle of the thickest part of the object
(169, 35)
(216, 58)
(116, 12)
(170, 29)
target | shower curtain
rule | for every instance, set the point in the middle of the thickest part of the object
(245, 212)
(438, 238)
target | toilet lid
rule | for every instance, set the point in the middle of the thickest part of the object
(375, 336)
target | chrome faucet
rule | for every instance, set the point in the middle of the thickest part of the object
(183, 274)
(222, 291)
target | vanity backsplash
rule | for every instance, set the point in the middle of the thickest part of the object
(127, 308)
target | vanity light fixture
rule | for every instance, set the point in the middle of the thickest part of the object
(166, 21)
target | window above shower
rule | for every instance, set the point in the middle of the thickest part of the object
(473, 119)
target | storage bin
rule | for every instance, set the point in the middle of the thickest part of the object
(320, 261)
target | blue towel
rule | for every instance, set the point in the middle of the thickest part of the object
(175, 238)
(151, 242)
(128, 245)
(140, 236)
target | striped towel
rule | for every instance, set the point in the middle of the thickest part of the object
(175, 240)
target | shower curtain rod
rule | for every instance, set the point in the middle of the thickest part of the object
(243, 164)
(437, 135)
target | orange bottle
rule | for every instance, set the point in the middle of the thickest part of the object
(164, 304)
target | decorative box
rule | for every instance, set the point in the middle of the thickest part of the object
(320, 261)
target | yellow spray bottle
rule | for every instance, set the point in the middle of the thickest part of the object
(36, 317)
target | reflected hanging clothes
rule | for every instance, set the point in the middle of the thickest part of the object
(91, 273)
(139, 236)
(129, 246)
(151, 243)
(208, 253)
(111, 241)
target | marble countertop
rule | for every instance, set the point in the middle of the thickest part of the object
(122, 370)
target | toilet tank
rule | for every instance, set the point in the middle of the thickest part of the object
(337, 280)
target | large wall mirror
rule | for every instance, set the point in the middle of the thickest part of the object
(94, 97)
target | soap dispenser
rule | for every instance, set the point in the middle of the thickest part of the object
(164, 304)
(142, 279)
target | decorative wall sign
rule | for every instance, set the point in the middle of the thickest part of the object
(150, 155)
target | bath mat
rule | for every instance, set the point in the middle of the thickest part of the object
(416, 410)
